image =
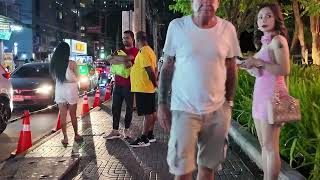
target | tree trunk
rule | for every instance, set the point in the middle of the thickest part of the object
(315, 31)
(300, 31)
(294, 40)
(155, 35)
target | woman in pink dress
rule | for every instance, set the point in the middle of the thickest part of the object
(273, 63)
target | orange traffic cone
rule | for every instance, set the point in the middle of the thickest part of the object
(96, 98)
(58, 126)
(25, 141)
(85, 105)
(107, 96)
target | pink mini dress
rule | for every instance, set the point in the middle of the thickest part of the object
(264, 84)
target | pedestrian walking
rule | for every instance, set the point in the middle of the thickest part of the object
(273, 62)
(200, 68)
(64, 72)
(143, 84)
(122, 88)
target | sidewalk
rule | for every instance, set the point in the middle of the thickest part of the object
(97, 158)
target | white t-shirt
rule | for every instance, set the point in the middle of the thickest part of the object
(198, 84)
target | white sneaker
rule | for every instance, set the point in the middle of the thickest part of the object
(126, 133)
(114, 134)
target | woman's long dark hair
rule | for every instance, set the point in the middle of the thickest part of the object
(59, 61)
(279, 27)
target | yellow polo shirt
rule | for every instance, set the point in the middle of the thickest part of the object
(140, 81)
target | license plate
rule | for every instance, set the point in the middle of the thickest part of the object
(18, 98)
(28, 97)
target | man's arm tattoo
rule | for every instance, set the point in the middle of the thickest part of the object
(231, 78)
(166, 75)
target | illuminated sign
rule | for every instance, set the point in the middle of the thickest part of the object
(80, 47)
(4, 26)
(77, 47)
(5, 35)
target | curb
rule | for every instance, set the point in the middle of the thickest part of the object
(251, 147)
(38, 142)
(104, 107)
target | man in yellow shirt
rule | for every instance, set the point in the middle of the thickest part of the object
(143, 85)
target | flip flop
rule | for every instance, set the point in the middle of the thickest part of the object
(64, 142)
(78, 138)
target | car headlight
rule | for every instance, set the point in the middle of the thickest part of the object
(84, 79)
(44, 89)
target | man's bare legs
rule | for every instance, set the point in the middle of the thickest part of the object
(204, 173)
(184, 177)
(148, 123)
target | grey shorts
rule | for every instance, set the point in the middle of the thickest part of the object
(207, 131)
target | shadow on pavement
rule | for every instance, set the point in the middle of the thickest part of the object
(85, 150)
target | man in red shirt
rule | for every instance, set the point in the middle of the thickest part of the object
(122, 87)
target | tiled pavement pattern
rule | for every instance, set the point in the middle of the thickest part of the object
(37, 167)
(97, 158)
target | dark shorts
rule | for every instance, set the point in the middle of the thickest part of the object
(146, 103)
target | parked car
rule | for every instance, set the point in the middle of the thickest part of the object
(33, 85)
(88, 77)
(6, 94)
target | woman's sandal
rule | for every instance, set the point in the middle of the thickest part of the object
(78, 138)
(64, 142)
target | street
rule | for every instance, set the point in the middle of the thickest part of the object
(41, 124)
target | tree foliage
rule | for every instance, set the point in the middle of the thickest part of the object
(311, 7)
(239, 12)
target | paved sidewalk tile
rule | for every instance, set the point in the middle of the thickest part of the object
(116, 160)
(37, 168)
(98, 158)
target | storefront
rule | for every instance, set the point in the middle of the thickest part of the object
(6, 59)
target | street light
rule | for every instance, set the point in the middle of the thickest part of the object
(102, 55)
(15, 48)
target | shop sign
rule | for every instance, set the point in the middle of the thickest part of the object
(77, 47)
(4, 26)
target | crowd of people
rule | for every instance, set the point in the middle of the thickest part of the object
(200, 48)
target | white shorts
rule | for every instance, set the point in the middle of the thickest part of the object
(67, 93)
(207, 131)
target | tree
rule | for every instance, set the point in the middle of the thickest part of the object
(315, 31)
(241, 13)
(299, 32)
(158, 18)
(312, 8)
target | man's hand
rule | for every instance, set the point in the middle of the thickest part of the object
(252, 62)
(127, 64)
(164, 116)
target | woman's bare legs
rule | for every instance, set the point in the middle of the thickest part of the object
(268, 136)
(63, 108)
(74, 121)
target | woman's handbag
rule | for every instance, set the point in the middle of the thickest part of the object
(283, 108)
